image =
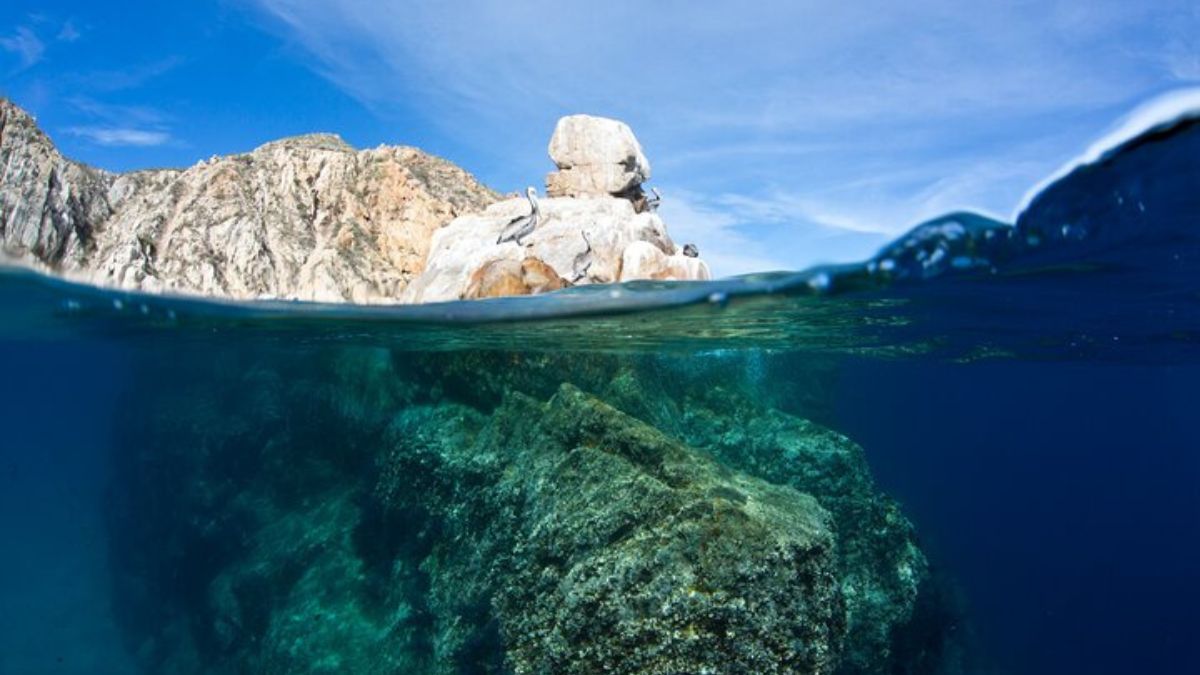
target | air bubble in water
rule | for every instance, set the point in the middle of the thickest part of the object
(819, 282)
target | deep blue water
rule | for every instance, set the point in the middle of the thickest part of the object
(1026, 392)
(57, 408)
(1064, 498)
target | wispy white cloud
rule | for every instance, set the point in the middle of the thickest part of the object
(26, 45)
(118, 114)
(120, 125)
(69, 32)
(1180, 51)
(783, 65)
(121, 136)
(853, 118)
(727, 247)
(130, 77)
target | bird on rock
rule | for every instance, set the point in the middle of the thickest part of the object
(520, 227)
(653, 202)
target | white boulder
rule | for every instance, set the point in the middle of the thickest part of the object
(595, 156)
(583, 240)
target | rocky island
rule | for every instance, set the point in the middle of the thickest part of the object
(311, 218)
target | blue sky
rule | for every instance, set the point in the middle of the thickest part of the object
(782, 133)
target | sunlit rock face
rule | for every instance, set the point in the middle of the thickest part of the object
(311, 218)
(584, 240)
(597, 226)
(595, 156)
(305, 218)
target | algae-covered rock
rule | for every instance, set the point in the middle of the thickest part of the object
(615, 548)
(363, 510)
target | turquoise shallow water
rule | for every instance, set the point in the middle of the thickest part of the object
(977, 450)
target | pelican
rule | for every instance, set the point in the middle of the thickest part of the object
(653, 202)
(583, 261)
(691, 251)
(520, 227)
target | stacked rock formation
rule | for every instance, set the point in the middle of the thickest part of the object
(596, 227)
(595, 156)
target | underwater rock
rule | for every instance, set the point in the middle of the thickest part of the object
(610, 547)
(376, 511)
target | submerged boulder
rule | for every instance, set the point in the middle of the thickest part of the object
(469, 512)
(611, 547)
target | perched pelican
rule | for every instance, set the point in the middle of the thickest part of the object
(521, 226)
(653, 202)
(583, 261)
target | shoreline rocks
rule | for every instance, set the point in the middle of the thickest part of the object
(584, 240)
(311, 218)
(305, 218)
(597, 227)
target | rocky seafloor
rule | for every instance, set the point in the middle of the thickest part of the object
(355, 509)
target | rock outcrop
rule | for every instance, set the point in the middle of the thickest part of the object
(311, 218)
(595, 228)
(305, 218)
(584, 240)
(595, 156)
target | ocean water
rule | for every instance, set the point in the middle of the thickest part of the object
(977, 452)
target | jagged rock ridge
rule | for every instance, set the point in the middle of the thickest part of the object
(301, 218)
(311, 218)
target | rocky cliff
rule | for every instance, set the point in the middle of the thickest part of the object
(311, 218)
(307, 218)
